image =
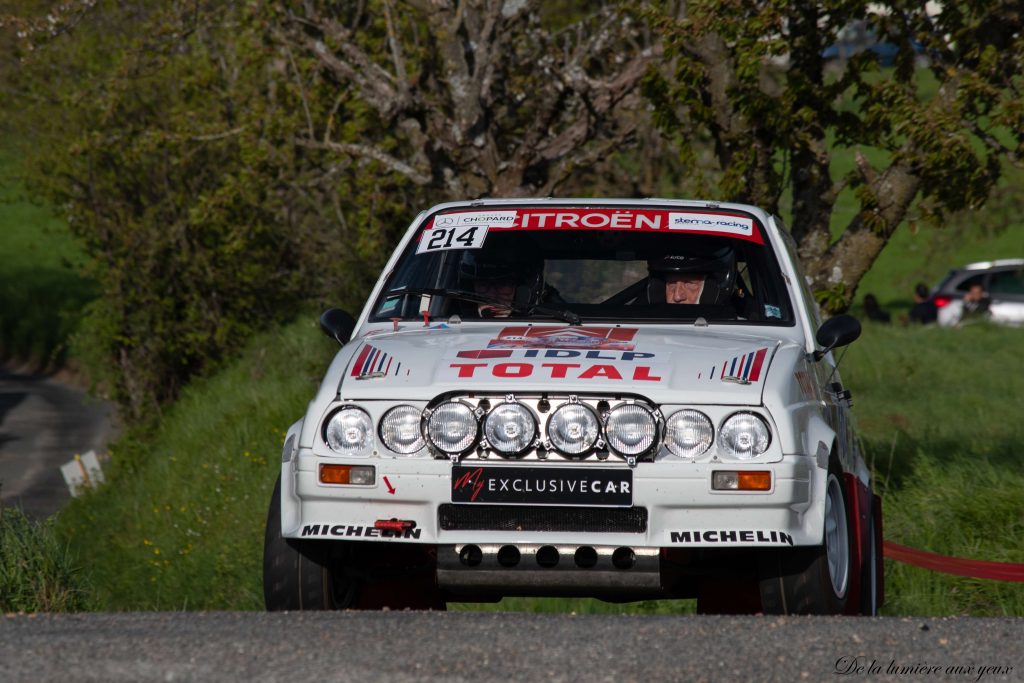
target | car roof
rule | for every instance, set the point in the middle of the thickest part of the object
(606, 201)
(999, 263)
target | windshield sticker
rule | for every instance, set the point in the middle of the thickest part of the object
(772, 311)
(440, 238)
(645, 220)
(620, 338)
(486, 219)
(744, 369)
(712, 224)
(373, 362)
(390, 305)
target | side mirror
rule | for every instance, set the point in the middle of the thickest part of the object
(337, 324)
(834, 332)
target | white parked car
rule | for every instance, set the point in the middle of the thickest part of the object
(1001, 284)
(622, 399)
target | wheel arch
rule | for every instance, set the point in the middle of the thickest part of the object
(291, 511)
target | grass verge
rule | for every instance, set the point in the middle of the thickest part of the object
(37, 572)
(181, 526)
(939, 418)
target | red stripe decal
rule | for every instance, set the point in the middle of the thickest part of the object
(755, 372)
(486, 353)
(360, 359)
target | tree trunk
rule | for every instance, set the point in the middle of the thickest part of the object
(852, 255)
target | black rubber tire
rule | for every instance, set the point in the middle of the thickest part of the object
(297, 575)
(797, 580)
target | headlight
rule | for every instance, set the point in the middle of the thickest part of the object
(452, 428)
(744, 436)
(400, 430)
(510, 428)
(688, 433)
(631, 429)
(349, 431)
(573, 429)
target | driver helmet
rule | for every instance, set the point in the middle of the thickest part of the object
(524, 270)
(718, 265)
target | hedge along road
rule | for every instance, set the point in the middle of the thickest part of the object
(43, 424)
(481, 647)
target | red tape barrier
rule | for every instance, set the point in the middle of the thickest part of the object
(975, 569)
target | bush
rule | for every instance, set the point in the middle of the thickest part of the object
(165, 135)
(37, 572)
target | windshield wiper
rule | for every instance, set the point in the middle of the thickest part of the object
(560, 313)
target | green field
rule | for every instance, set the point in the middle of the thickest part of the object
(42, 292)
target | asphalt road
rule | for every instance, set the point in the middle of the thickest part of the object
(482, 647)
(43, 424)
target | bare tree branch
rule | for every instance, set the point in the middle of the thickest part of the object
(496, 98)
(302, 90)
(396, 50)
(369, 152)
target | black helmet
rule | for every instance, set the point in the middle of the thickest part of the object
(524, 269)
(476, 265)
(717, 265)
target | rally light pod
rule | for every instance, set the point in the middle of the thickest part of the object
(399, 429)
(574, 429)
(631, 430)
(452, 428)
(510, 429)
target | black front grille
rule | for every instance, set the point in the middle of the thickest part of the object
(555, 518)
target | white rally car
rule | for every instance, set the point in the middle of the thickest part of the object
(621, 399)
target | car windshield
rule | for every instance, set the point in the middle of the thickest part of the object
(588, 264)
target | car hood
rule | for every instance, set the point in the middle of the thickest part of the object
(667, 364)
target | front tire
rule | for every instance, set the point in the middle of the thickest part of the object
(869, 581)
(813, 580)
(297, 574)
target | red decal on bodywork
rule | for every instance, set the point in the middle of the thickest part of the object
(486, 353)
(755, 371)
(546, 337)
(360, 359)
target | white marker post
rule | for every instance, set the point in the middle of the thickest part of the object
(82, 472)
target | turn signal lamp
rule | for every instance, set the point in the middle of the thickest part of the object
(362, 475)
(741, 481)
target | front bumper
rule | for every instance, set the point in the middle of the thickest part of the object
(681, 508)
